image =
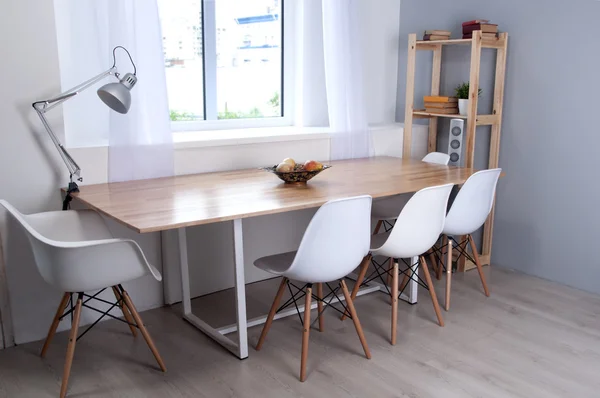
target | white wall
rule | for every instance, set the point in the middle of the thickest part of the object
(32, 171)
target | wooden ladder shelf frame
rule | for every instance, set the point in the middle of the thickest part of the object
(473, 119)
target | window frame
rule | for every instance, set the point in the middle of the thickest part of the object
(209, 35)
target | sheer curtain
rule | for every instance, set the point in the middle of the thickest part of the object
(140, 142)
(351, 137)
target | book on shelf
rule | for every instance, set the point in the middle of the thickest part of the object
(484, 36)
(438, 98)
(475, 21)
(443, 111)
(484, 27)
(440, 105)
(438, 32)
(435, 37)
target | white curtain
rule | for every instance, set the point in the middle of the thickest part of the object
(351, 137)
(140, 142)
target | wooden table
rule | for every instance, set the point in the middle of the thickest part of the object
(184, 201)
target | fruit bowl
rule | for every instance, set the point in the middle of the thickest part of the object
(298, 176)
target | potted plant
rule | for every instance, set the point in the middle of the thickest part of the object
(462, 93)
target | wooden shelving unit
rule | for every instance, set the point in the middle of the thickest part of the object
(473, 119)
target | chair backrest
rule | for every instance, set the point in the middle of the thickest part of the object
(75, 252)
(335, 241)
(419, 224)
(437, 158)
(473, 203)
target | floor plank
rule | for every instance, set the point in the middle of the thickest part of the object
(531, 338)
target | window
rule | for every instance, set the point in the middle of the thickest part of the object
(225, 63)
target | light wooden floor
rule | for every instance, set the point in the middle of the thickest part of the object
(532, 338)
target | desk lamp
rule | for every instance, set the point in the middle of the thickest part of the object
(116, 96)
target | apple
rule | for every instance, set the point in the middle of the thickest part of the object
(312, 165)
(284, 167)
(289, 161)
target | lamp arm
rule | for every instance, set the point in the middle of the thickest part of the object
(41, 107)
(48, 104)
(72, 166)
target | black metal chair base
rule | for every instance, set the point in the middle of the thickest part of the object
(460, 247)
(380, 270)
(326, 300)
(119, 303)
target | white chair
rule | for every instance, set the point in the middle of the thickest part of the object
(75, 252)
(386, 210)
(334, 243)
(468, 213)
(417, 228)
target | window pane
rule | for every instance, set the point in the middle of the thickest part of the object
(181, 23)
(249, 57)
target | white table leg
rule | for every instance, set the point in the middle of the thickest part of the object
(185, 272)
(240, 288)
(412, 288)
(241, 348)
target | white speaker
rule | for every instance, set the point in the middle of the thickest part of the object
(455, 141)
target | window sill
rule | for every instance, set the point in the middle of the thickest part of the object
(213, 138)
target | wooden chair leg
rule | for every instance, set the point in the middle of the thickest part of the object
(55, 322)
(272, 311)
(125, 310)
(377, 227)
(320, 306)
(389, 274)
(479, 267)
(436, 305)
(431, 254)
(71, 346)
(394, 301)
(305, 333)
(364, 266)
(441, 267)
(143, 330)
(354, 315)
(448, 274)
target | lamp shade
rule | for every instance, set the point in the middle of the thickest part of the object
(118, 95)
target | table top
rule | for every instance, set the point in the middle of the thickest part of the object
(182, 201)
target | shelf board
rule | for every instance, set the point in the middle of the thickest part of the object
(433, 44)
(482, 120)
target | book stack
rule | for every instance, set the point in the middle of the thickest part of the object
(436, 35)
(439, 104)
(489, 31)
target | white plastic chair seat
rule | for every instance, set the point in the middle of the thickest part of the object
(417, 227)
(334, 243)
(276, 264)
(473, 203)
(76, 252)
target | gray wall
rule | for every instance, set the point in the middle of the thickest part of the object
(547, 218)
